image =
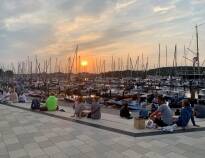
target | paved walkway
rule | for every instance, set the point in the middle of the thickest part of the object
(27, 134)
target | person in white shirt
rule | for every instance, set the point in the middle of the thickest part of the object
(22, 98)
(14, 96)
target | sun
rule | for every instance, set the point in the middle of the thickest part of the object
(84, 63)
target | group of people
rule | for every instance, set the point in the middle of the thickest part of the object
(51, 104)
(141, 104)
(80, 109)
(162, 115)
(10, 95)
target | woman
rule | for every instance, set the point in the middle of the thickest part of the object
(14, 96)
(78, 108)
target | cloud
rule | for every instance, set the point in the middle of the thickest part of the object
(103, 27)
(22, 21)
(124, 4)
(159, 9)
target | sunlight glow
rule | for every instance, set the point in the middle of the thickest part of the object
(84, 63)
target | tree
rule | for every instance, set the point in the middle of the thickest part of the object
(1, 73)
(9, 73)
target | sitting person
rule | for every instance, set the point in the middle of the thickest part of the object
(185, 115)
(35, 104)
(143, 113)
(154, 105)
(78, 108)
(14, 96)
(125, 112)
(51, 104)
(163, 116)
(95, 109)
(22, 98)
(1, 95)
(6, 96)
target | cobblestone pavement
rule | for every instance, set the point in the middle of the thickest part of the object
(25, 134)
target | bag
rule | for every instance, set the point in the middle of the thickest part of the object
(35, 104)
(150, 124)
(139, 123)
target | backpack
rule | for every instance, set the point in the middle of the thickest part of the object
(35, 104)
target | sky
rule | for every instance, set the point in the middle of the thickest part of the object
(102, 29)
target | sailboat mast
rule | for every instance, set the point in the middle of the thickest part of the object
(76, 59)
(159, 59)
(197, 47)
(166, 55)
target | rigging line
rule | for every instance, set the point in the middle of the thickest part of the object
(203, 63)
(201, 24)
(190, 42)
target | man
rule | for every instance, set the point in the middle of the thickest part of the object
(95, 109)
(163, 116)
(51, 104)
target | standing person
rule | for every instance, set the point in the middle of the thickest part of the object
(51, 104)
(185, 115)
(163, 116)
(95, 109)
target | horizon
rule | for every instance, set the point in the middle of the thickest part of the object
(102, 29)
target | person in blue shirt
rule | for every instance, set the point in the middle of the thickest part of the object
(185, 115)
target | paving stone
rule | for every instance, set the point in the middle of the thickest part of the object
(18, 153)
(36, 152)
(13, 147)
(11, 140)
(40, 139)
(39, 136)
(153, 155)
(112, 154)
(51, 150)
(131, 154)
(70, 151)
(3, 151)
(45, 144)
(172, 154)
(189, 154)
(85, 148)
(31, 146)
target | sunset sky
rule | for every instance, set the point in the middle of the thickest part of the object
(101, 28)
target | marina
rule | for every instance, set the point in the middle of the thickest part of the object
(102, 79)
